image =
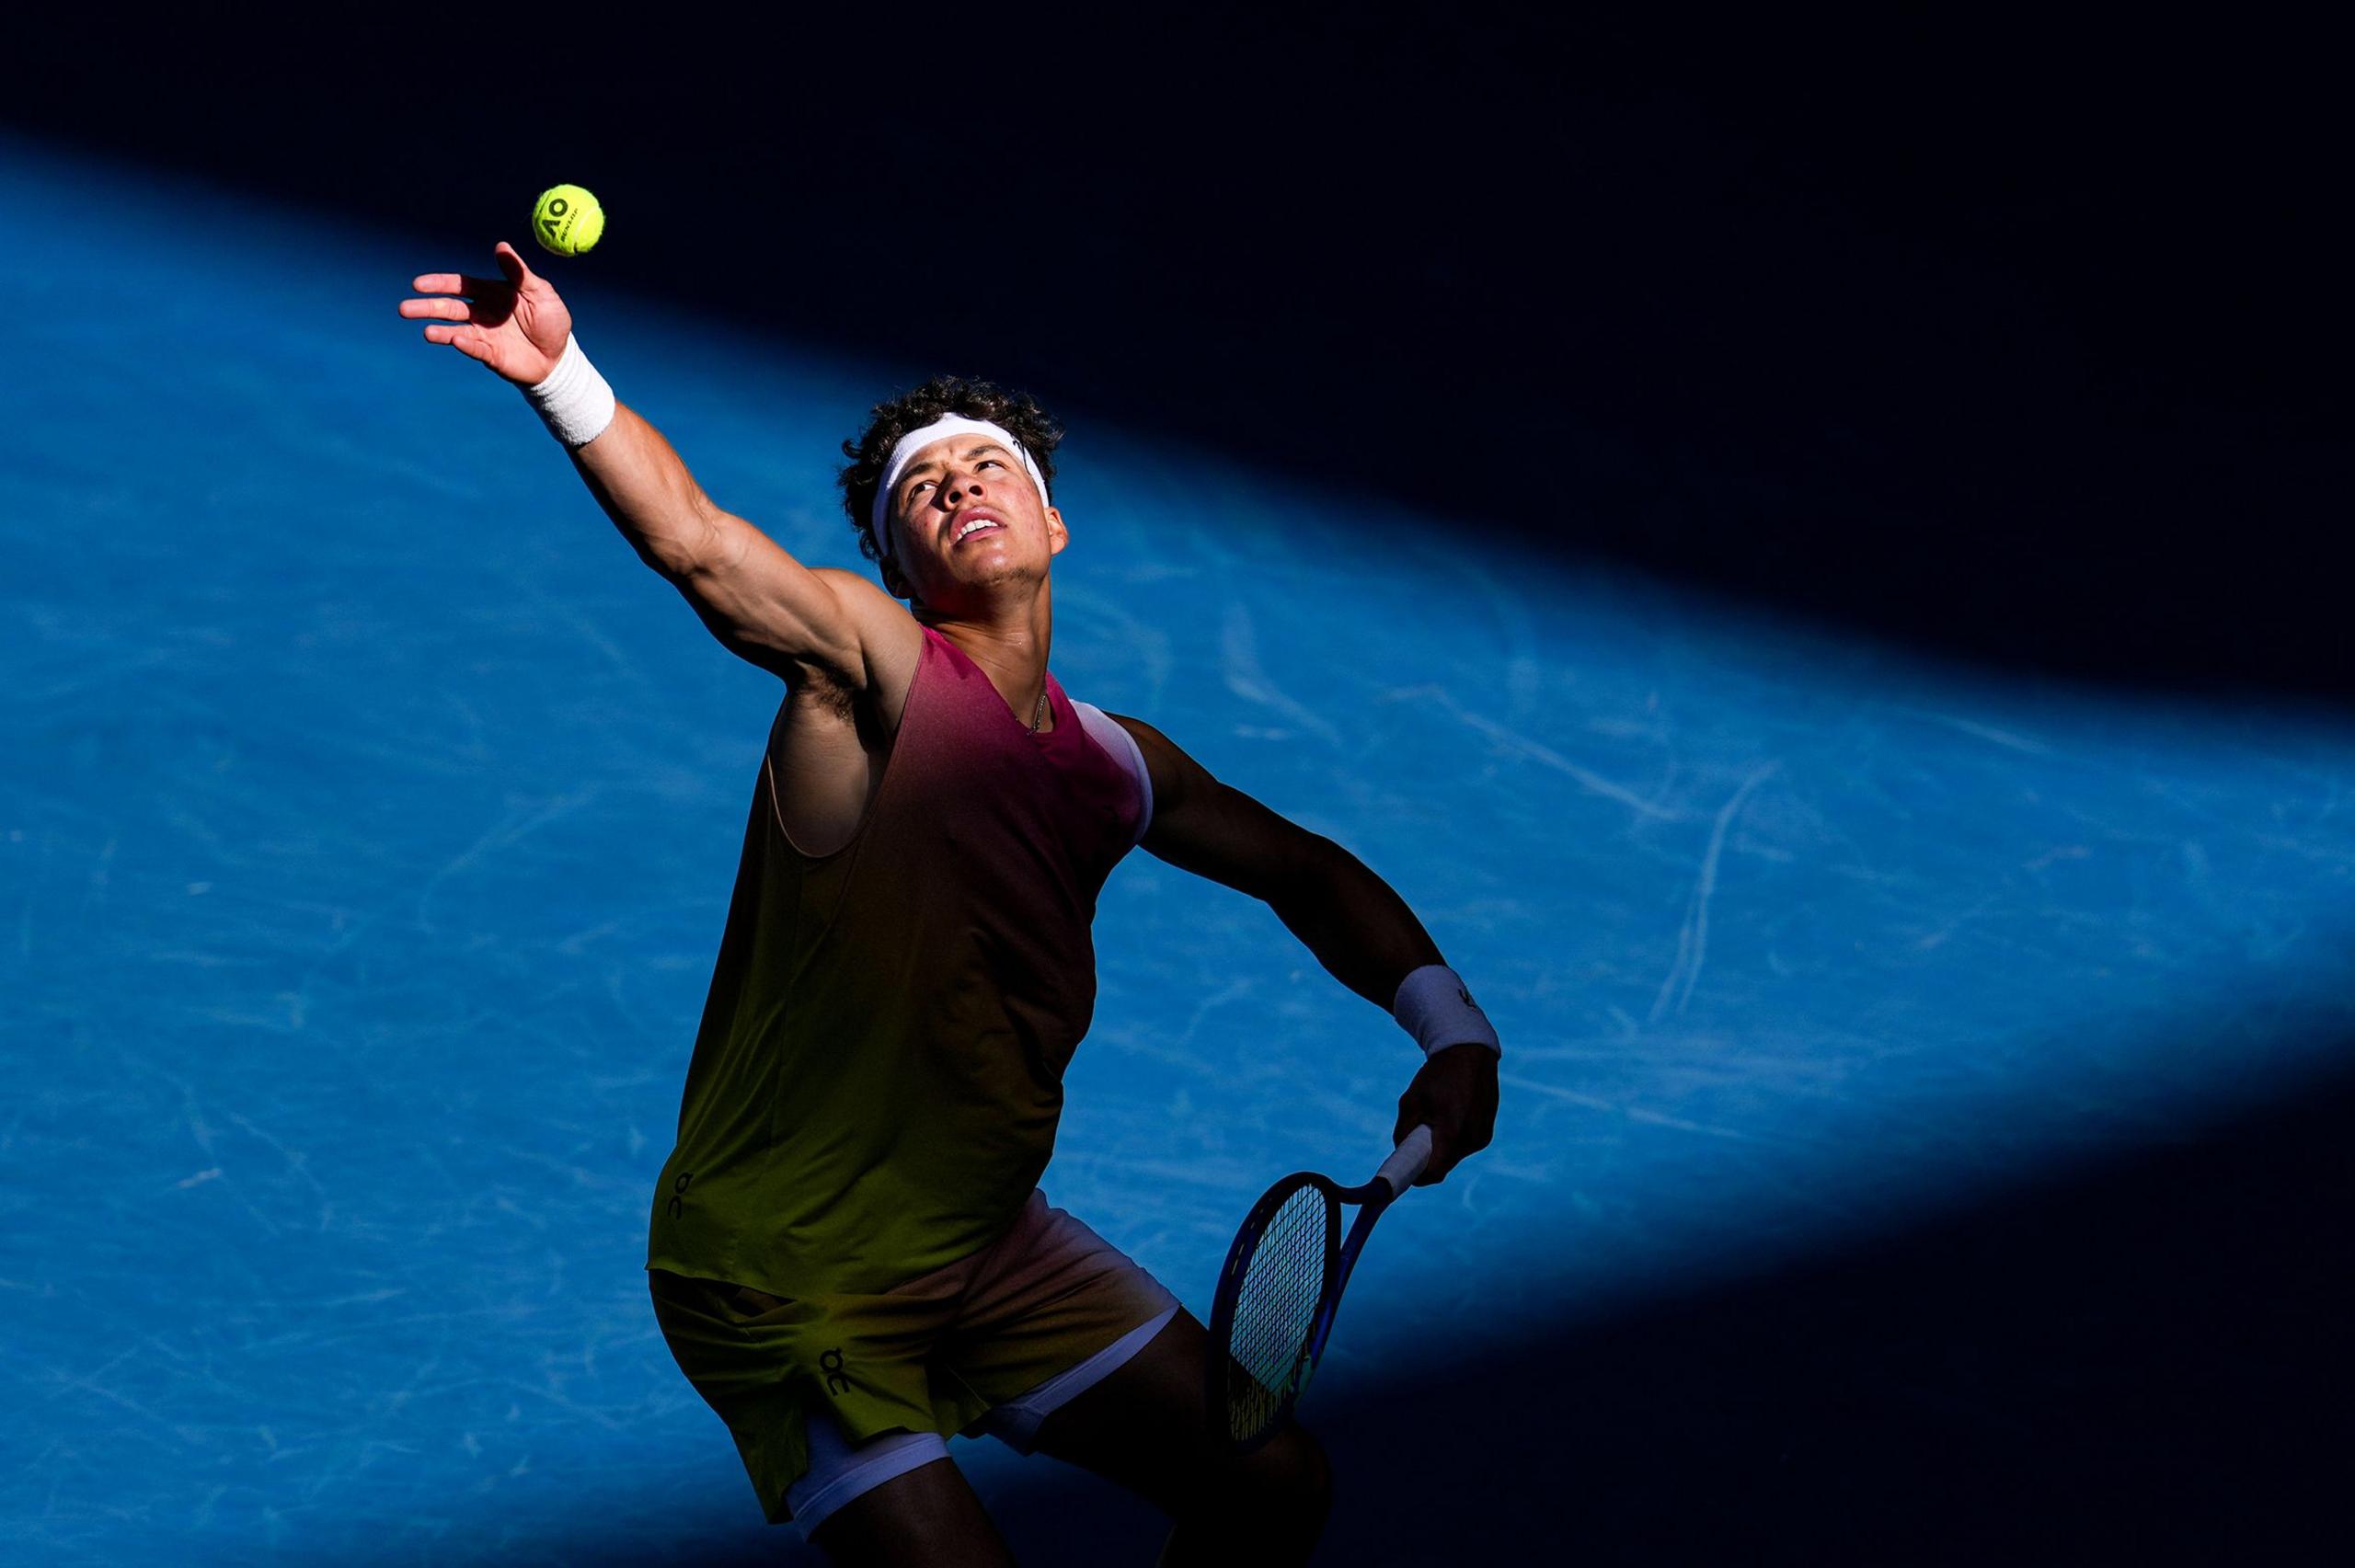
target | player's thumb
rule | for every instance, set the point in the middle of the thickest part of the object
(1412, 1113)
(511, 263)
(1416, 1109)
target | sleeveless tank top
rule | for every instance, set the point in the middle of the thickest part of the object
(878, 1076)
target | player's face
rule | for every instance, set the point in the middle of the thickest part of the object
(967, 513)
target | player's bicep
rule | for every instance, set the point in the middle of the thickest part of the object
(769, 609)
(1214, 829)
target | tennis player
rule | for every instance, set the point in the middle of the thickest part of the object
(850, 1258)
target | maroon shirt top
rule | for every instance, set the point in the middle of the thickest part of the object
(878, 1074)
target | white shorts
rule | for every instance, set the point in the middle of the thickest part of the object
(839, 1472)
(991, 1344)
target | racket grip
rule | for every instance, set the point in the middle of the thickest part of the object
(1406, 1161)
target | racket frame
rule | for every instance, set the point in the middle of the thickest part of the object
(1397, 1173)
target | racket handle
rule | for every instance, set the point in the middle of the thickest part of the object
(1406, 1161)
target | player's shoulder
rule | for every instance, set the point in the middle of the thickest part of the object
(1147, 738)
(1173, 773)
(855, 588)
(890, 640)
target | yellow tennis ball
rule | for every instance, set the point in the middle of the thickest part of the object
(567, 219)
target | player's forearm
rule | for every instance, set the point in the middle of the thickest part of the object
(645, 488)
(1356, 924)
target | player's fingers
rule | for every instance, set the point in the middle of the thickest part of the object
(1465, 1138)
(471, 341)
(511, 263)
(464, 283)
(437, 309)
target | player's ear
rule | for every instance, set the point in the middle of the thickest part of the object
(1058, 535)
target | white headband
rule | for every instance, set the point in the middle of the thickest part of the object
(903, 451)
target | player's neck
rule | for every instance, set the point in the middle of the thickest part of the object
(1009, 640)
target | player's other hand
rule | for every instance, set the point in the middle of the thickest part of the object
(1455, 1096)
(513, 323)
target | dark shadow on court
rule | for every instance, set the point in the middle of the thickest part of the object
(2145, 1361)
(2026, 350)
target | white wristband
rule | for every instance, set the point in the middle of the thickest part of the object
(1436, 1007)
(574, 400)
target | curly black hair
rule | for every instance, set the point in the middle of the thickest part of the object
(1019, 412)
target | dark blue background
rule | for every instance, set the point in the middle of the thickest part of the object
(2024, 338)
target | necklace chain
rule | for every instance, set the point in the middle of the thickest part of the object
(1039, 713)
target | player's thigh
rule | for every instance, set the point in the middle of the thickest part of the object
(1147, 1428)
(924, 1516)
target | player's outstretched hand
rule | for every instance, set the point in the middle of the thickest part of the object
(514, 323)
(1455, 1096)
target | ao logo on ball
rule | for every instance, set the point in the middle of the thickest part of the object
(567, 220)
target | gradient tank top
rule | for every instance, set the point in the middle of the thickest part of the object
(878, 1076)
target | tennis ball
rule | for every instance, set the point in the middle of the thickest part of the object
(567, 220)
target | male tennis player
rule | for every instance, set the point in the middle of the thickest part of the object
(850, 1258)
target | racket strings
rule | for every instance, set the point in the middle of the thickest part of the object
(1275, 1307)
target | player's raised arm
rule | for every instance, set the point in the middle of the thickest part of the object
(758, 601)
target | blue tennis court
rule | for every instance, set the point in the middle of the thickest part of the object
(369, 820)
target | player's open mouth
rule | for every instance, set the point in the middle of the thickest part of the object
(976, 525)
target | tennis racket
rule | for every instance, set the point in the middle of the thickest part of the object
(1280, 1287)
